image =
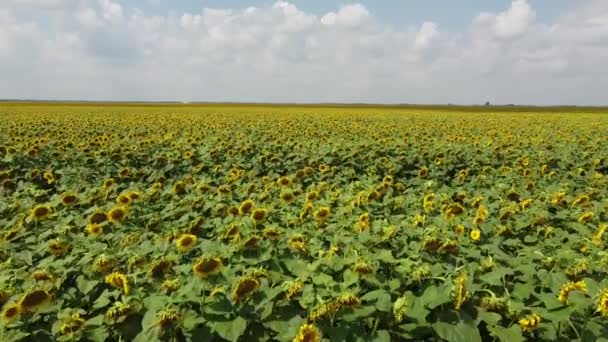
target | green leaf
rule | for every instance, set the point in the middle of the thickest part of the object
(85, 286)
(382, 336)
(286, 330)
(512, 334)
(461, 332)
(230, 330)
(382, 299)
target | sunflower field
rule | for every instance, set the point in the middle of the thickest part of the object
(151, 223)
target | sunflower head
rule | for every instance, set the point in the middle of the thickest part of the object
(179, 188)
(308, 333)
(160, 267)
(123, 199)
(94, 229)
(10, 313)
(363, 268)
(244, 288)
(284, 181)
(245, 207)
(271, 233)
(58, 247)
(117, 214)
(205, 267)
(41, 212)
(33, 299)
(98, 218)
(322, 214)
(185, 242)
(119, 281)
(72, 325)
(287, 196)
(259, 215)
(69, 199)
(475, 235)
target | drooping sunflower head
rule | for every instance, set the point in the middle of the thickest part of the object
(185, 242)
(72, 325)
(245, 207)
(271, 233)
(296, 243)
(58, 247)
(42, 275)
(160, 267)
(244, 288)
(529, 323)
(308, 333)
(117, 214)
(119, 281)
(258, 215)
(33, 299)
(312, 195)
(168, 317)
(207, 266)
(363, 268)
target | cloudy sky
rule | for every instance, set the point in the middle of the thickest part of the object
(388, 51)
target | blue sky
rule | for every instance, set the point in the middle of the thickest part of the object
(393, 51)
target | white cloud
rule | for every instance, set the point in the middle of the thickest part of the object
(106, 50)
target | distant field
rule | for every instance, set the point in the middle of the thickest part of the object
(212, 222)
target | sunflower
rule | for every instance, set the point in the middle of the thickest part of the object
(323, 168)
(252, 242)
(585, 217)
(460, 291)
(94, 229)
(134, 195)
(363, 268)
(10, 313)
(529, 323)
(244, 288)
(170, 285)
(292, 289)
(287, 196)
(168, 317)
(581, 200)
(423, 172)
(117, 214)
(234, 211)
(245, 207)
(271, 233)
(98, 218)
(42, 275)
(284, 181)
(123, 200)
(363, 222)
(475, 235)
(49, 177)
(179, 188)
(297, 243)
(119, 310)
(224, 190)
(41, 212)
(602, 303)
(108, 183)
(58, 247)
(33, 299)
(68, 199)
(185, 242)
(308, 333)
(459, 229)
(306, 210)
(188, 154)
(564, 292)
(322, 214)
(207, 266)
(119, 281)
(72, 325)
(258, 215)
(312, 195)
(103, 264)
(160, 267)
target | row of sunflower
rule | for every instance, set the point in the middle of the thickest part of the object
(208, 223)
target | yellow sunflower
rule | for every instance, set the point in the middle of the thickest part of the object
(10, 313)
(308, 333)
(117, 214)
(258, 215)
(119, 281)
(207, 266)
(244, 288)
(33, 299)
(185, 242)
(94, 229)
